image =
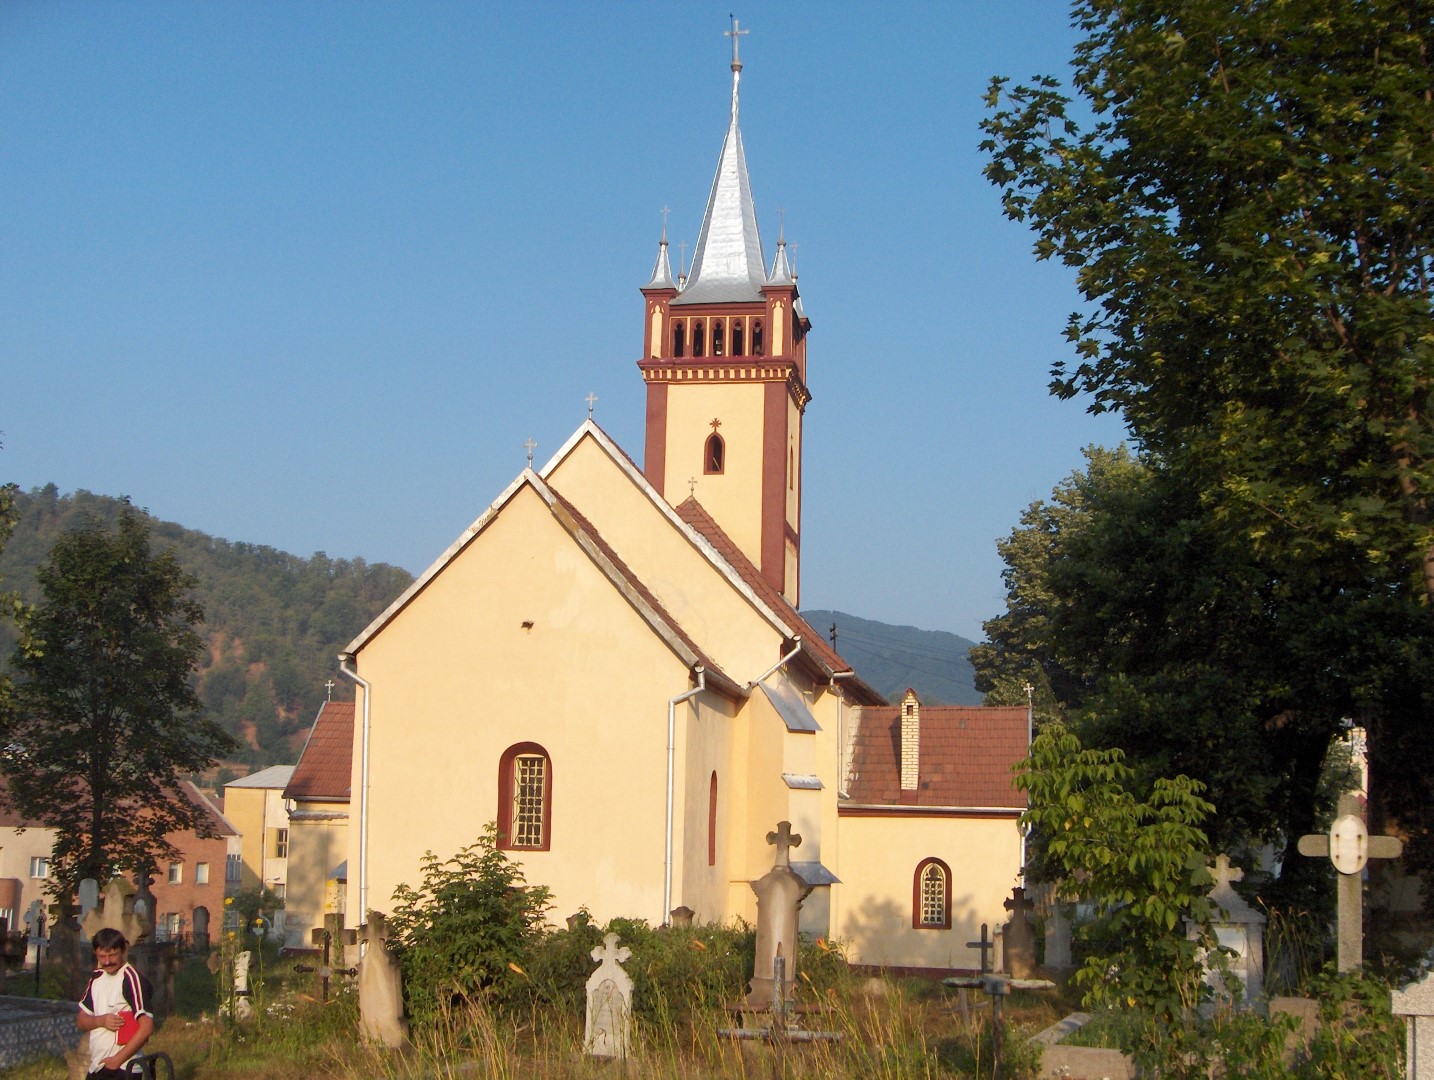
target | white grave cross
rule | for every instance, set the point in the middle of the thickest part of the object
(609, 1002)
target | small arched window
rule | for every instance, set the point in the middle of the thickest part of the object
(714, 455)
(717, 342)
(712, 821)
(699, 347)
(679, 339)
(931, 896)
(738, 343)
(757, 338)
(525, 798)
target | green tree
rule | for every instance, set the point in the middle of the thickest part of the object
(1250, 213)
(1142, 864)
(107, 720)
(10, 604)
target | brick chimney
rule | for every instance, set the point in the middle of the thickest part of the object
(910, 741)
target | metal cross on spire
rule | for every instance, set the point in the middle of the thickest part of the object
(591, 398)
(530, 445)
(329, 686)
(734, 34)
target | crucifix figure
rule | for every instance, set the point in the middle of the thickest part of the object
(1350, 847)
(785, 840)
(591, 398)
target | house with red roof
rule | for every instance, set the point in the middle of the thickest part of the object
(609, 666)
(318, 798)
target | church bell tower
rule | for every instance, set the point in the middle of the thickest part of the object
(725, 363)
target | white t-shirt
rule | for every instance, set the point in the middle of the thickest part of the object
(125, 990)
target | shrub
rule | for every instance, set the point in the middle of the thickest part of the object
(467, 934)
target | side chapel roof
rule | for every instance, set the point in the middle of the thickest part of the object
(966, 755)
(325, 767)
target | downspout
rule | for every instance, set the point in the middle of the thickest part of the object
(672, 703)
(344, 659)
(796, 648)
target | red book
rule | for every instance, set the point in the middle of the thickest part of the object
(129, 1027)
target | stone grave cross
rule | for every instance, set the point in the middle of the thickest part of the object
(1350, 847)
(609, 991)
(784, 840)
(1020, 936)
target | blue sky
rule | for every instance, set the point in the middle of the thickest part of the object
(309, 275)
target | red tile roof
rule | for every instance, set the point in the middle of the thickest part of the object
(966, 756)
(325, 767)
(215, 822)
(692, 512)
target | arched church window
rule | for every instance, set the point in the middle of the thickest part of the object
(525, 798)
(712, 821)
(699, 347)
(737, 341)
(717, 335)
(931, 896)
(791, 469)
(714, 455)
(679, 339)
(757, 338)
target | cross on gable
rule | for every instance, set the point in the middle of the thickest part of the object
(592, 398)
(329, 686)
(530, 445)
(784, 840)
(609, 952)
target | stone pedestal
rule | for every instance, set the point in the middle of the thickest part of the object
(1416, 1004)
(380, 987)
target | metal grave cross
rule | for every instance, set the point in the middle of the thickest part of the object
(784, 840)
(1350, 847)
(985, 945)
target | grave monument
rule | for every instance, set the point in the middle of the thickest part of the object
(609, 1013)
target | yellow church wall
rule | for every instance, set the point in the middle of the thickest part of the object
(706, 746)
(878, 860)
(316, 848)
(733, 498)
(737, 637)
(457, 678)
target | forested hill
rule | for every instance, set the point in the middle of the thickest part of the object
(274, 622)
(890, 658)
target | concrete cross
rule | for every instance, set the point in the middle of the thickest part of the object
(1350, 847)
(1018, 904)
(784, 840)
(609, 951)
(985, 945)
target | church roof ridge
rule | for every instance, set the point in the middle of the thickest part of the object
(728, 265)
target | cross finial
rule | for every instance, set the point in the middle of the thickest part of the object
(715, 423)
(784, 840)
(665, 211)
(682, 261)
(691, 486)
(781, 225)
(530, 445)
(329, 686)
(734, 34)
(590, 399)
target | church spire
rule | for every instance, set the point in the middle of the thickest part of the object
(662, 269)
(728, 265)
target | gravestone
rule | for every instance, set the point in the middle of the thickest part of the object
(780, 893)
(116, 911)
(243, 1007)
(985, 945)
(1415, 1003)
(89, 897)
(380, 987)
(609, 1012)
(1350, 847)
(682, 916)
(1241, 929)
(1058, 937)
(1019, 936)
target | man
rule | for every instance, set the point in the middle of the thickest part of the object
(115, 1007)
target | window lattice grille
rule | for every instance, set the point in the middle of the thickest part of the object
(530, 774)
(933, 896)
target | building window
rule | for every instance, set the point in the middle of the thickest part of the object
(757, 337)
(712, 821)
(717, 343)
(281, 843)
(201, 873)
(278, 889)
(525, 798)
(39, 866)
(169, 927)
(176, 873)
(233, 864)
(737, 341)
(698, 347)
(931, 896)
(679, 339)
(714, 455)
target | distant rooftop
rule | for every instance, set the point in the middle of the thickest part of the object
(275, 776)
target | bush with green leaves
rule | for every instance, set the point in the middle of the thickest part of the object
(467, 934)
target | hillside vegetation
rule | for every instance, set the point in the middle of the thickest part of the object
(274, 622)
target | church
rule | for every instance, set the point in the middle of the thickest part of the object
(609, 664)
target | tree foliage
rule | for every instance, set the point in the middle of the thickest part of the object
(1250, 215)
(466, 934)
(1141, 863)
(107, 722)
